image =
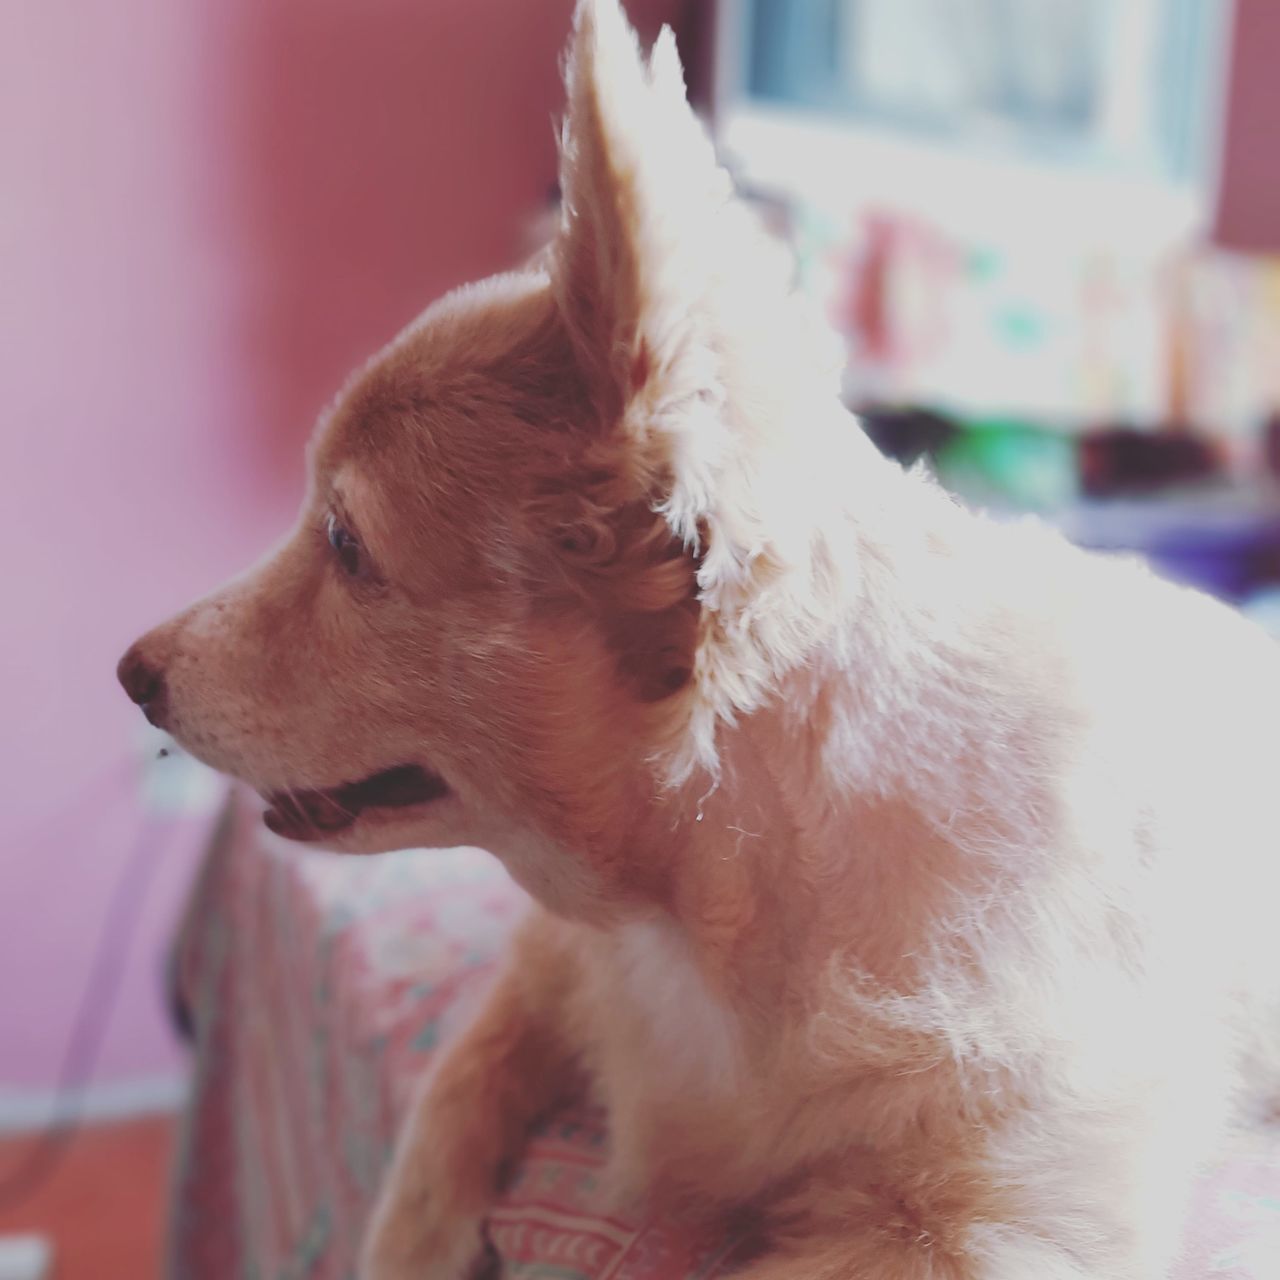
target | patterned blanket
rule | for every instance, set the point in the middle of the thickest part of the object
(320, 987)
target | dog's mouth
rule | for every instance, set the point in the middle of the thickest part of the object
(320, 813)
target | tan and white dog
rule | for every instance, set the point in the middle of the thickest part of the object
(906, 879)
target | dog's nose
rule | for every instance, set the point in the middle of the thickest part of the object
(144, 683)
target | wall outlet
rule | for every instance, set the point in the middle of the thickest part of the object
(25, 1258)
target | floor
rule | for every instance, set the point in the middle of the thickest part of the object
(104, 1204)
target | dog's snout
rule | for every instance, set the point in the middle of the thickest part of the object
(143, 681)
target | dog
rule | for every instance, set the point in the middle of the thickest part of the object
(903, 878)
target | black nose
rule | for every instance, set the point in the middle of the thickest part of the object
(144, 683)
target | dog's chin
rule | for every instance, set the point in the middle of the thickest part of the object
(372, 814)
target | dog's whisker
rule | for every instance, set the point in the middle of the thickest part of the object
(294, 806)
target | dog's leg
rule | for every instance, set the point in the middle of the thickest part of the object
(471, 1118)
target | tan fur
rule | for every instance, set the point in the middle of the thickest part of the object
(904, 877)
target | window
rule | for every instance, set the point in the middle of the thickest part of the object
(1121, 85)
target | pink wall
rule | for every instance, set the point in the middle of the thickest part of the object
(208, 213)
(1249, 194)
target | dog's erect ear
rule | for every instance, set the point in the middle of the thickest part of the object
(632, 283)
(677, 308)
(641, 189)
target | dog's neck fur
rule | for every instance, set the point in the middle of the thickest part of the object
(843, 760)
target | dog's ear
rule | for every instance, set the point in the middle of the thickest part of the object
(676, 307)
(641, 191)
(641, 188)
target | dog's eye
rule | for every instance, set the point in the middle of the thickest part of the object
(346, 547)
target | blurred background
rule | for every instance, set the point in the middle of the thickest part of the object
(1048, 231)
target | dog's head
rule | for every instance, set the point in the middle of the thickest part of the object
(504, 613)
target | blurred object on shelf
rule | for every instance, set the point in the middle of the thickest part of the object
(1233, 343)
(1120, 460)
(908, 435)
(1164, 496)
(1069, 337)
(1006, 462)
(1271, 444)
(1038, 466)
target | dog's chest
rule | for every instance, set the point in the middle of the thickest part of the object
(683, 1034)
(675, 1072)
